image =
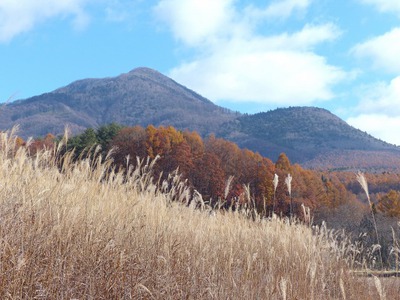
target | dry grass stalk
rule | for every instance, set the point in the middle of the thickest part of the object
(283, 286)
(364, 184)
(288, 182)
(275, 183)
(306, 214)
(342, 288)
(395, 250)
(379, 288)
(81, 230)
(228, 186)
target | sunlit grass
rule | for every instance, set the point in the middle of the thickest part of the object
(81, 230)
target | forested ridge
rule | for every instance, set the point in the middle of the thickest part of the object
(310, 136)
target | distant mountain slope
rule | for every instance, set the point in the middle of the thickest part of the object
(311, 136)
(142, 96)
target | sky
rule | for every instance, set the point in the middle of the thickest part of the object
(246, 55)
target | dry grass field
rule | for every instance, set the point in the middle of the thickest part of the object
(79, 230)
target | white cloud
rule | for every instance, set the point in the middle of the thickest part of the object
(311, 36)
(385, 99)
(264, 70)
(21, 16)
(282, 8)
(202, 21)
(196, 21)
(236, 63)
(383, 50)
(380, 126)
(381, 97)
(385, 5)
(379, 107)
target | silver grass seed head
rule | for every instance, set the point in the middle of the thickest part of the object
(363, 182)
(67, 132)
(228, 186)
(288, 182)
(275, 181)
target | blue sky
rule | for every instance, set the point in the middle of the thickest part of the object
(248, 55)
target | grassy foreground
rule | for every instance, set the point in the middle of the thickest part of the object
(85, 232)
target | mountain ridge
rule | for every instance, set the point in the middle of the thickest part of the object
(313, 137)
(139, 97)
(144, 96)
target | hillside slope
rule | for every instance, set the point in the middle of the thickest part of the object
(311, 136)
(142, 96)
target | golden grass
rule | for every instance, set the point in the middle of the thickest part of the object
(81, 231)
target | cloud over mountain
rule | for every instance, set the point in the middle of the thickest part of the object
(379, 111)
(235, 60)
(383, 50)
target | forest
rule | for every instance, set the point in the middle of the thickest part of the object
(229, 177)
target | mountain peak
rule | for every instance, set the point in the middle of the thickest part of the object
(142, 96)
(145, 72)
(148, 74)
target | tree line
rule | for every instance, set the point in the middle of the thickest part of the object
(222, 172)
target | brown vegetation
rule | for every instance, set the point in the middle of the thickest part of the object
(81, 230)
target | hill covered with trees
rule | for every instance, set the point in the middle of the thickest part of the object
(313, 137)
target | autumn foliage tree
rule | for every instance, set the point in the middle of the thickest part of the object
(39, 144)
(19, 142)
(129, 143)
(247, 168)
(389, 204)
(208, 164)
(282, 168)
(208, 177)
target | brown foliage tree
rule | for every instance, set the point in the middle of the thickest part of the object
(283, 163)
(389, 204)
(47, 142)
(129, 142)
(209, 177)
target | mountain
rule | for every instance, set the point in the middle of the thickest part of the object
(311, 136)
(140, 97)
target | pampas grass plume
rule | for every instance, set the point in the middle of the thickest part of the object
(288, 182)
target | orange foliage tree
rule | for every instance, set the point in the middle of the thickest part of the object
(389, 203)
(47, 142)
(129, 143)
(208, 164)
